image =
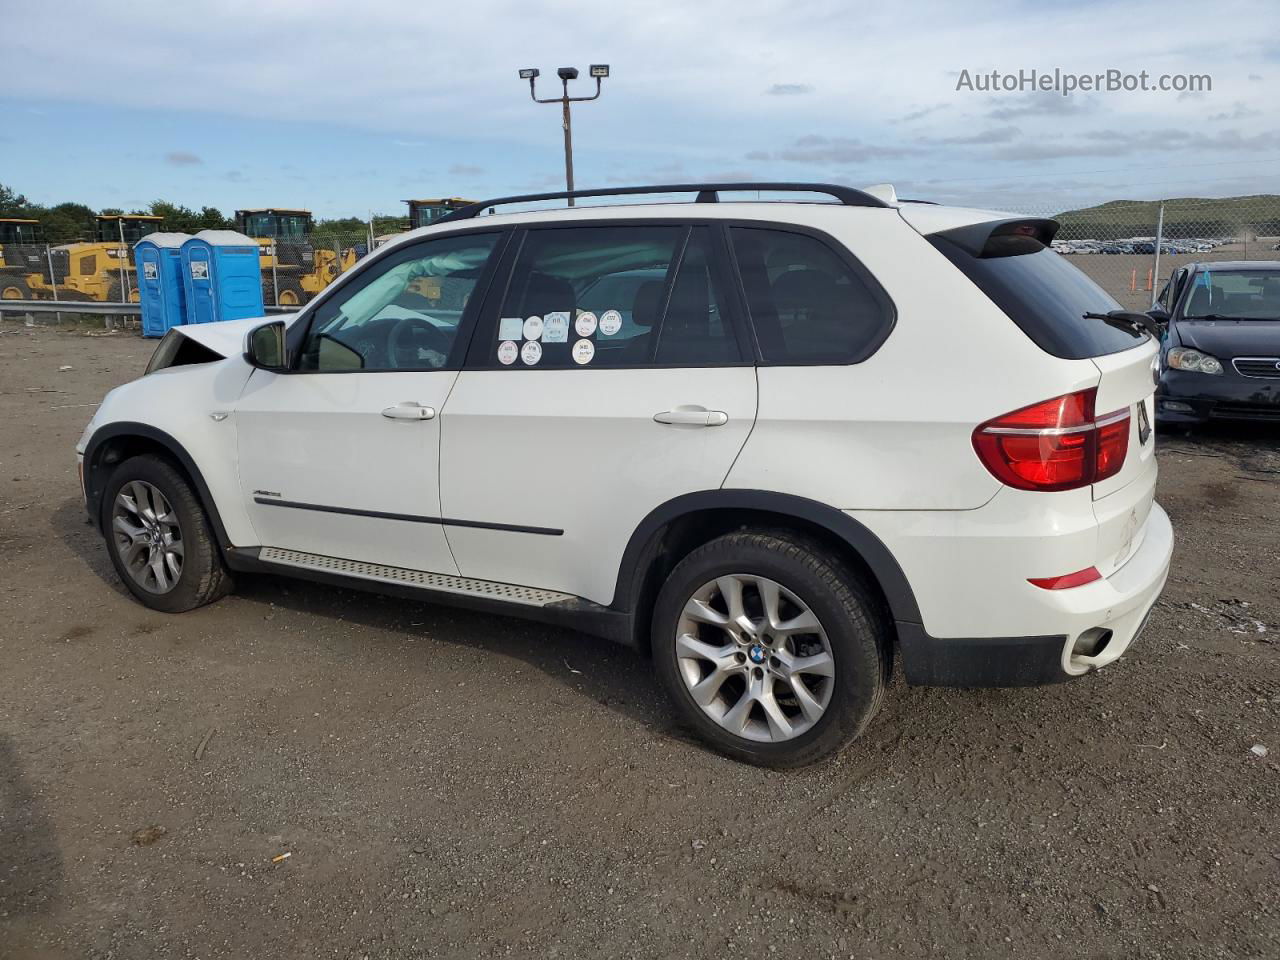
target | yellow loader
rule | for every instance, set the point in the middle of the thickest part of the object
(291, 262)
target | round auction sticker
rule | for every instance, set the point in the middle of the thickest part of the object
(583, 351)
(585, 324)
(507, 352)
(533, 329)
(531, 352)
(610, 322)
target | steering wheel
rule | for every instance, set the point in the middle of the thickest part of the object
(409, 335)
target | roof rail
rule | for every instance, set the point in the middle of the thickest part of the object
(706, 193)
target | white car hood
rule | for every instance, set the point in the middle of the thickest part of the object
(225, 337)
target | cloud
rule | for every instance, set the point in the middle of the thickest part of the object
(1039, 104)
(789, 89)
(1255, 78)
(413, 144)
(234, 176)
(1113, 143)
(1238, 111)
(465, 170)
(981, 138)
(922, 112)
(182, 158)
(817, 149)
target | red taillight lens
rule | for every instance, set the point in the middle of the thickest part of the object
(1077, 579)
(1054, 445)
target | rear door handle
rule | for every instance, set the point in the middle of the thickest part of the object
(409, 411)
(693, 416)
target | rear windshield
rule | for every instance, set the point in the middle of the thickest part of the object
(1044, 295)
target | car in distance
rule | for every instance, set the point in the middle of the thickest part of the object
(778, 446)
(1221, 349)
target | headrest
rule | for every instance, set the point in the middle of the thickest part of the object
(644, 311)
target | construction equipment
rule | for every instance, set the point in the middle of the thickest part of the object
(423, 213)
(294, 267)
(98, 269)
(21, 253)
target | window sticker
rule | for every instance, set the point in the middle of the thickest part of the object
(583, 351)
(585, 325)
(610, 323)
(531, 352)
(510, 328)
(555, 327)
(533, 330)
(507, 352)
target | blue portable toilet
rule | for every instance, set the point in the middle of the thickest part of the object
(158, 260)
(221, 276)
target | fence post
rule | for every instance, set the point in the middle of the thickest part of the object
(275, 277)
(53, 280)
(124, 290)
(1155, 267)
(337, 256)
(369, 249)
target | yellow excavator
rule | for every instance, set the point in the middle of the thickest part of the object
(291, 262)
(22, 252)
(423, 213)
(98, 269)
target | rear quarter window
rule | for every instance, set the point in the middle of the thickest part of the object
(1043, 294)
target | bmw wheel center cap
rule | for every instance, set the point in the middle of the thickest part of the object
(757, 653)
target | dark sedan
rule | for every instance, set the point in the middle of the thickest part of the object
(1220, 357)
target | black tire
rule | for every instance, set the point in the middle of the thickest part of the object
(14, 288)
(204, 577)
(116, 293)
(852, 614)
(291, 292)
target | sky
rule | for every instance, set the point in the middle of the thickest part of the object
(351, 108)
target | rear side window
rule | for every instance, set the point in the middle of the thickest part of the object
(808, 304)
(1043, 294)
(614, 297)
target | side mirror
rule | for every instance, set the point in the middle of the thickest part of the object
(1158, 314)
(264, 346)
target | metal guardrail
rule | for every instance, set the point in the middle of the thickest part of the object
(92, 306)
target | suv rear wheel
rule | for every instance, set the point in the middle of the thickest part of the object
(161, 543)
(773, 650)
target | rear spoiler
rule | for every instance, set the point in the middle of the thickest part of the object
(997, 237)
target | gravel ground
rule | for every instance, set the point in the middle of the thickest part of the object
(452, 784)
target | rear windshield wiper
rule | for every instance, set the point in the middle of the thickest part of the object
(1135, 323)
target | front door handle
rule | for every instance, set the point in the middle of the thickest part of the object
(410, 411)
(693, 417)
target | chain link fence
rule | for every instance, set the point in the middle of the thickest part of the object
(1128, 247)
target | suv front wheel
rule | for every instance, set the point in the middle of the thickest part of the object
(161, 542)
(774, 651)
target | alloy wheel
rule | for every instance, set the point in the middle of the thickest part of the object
(754, 657)
(147, 536)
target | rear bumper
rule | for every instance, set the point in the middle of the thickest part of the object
(1191, 398)
(1098, 622)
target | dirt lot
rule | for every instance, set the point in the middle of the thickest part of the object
(452, 784)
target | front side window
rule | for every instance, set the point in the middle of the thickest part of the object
(807, 304)
(613, 296)
(403, 313)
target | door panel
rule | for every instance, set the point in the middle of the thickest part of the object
(578, 451)
(323, 441)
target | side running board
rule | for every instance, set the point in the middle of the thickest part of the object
(443, 583)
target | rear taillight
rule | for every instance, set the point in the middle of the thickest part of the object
(1055, 445)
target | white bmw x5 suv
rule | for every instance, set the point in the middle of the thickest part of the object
(775, 445)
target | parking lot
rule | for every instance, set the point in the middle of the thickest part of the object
(446, 783)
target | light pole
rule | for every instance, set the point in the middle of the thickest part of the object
(599, 71)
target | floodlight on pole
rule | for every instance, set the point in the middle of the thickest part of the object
(598, 71)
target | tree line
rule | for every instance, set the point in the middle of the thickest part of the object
(69, 221)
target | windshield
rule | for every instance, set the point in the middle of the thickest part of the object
(1234, 295)
(276, 225)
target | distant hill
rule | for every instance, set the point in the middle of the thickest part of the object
(1252, 216)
